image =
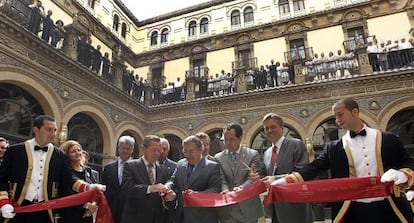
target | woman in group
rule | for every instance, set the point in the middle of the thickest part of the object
(81, 213)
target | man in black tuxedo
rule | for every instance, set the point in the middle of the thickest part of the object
(143, 182)
(112, 177)
(362, 152)
(29, 166)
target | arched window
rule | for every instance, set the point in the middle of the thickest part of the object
(164, 36)
(248, 15)
(235, 18)
(116, 23)
(123, 30)
(154, 38)
(91, 4)
(298, 5)
(204, 26)
(284, 7)
(192, 28)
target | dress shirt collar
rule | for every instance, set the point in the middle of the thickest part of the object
(279, 143)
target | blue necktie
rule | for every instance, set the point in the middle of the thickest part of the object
(189, 171)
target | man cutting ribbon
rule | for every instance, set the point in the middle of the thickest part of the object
(367, 154)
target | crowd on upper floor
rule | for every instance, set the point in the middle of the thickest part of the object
(390, 55)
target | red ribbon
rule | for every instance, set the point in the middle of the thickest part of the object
(103, 215)
(331, 190)
(199, 199)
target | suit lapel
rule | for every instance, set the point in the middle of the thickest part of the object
(267, 161)
(197, 171)
(144, 171)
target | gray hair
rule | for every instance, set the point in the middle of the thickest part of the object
(127, 140)
(165, 141)
(149, 138)
(194, 139)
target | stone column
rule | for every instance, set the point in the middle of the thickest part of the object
(148, 94)
(70, 43)
(298, 72)
(117, 71)
(363, 61)
(73, 31)
(241, 80)
(190, 84)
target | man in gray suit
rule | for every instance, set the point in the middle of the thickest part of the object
(195, 173)
(283, 157)
(236, 162)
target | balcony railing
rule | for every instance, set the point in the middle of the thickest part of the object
(246, 64)
(299, 54)
(357, 43)
(197, 72)
(17, 10)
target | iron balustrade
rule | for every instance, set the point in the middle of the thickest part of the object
(247, 64)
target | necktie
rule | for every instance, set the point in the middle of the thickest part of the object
(361, 133)
(150, 173)
(37, 148)
(274, 156)
(121, 172)
(235, 156)
(190, 170)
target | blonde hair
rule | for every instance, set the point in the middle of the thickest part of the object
(69, 144)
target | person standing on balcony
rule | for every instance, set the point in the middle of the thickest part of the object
(47, 26)
(36, 14)
(372, 51)
(273, 73)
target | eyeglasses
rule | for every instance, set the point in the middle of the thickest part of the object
(189, 151)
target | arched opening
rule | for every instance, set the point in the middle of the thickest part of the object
(235, 18)
(175, 147)
(123, 30)
(402, 124)
(18, 109)
(86, 131)
(115, 25)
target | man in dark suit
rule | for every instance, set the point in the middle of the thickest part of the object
(206, 142)
(362, 152)
(143, 182)
(112, 177)
(283, 157)
(4, 143)
(198, 174)
(236, 163)
(164, 160)
(31, 165)
(170, 165)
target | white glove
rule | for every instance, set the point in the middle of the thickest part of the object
(394, 175)
(100, 187)
(279, 181)
(7, 211)
(409, 195)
